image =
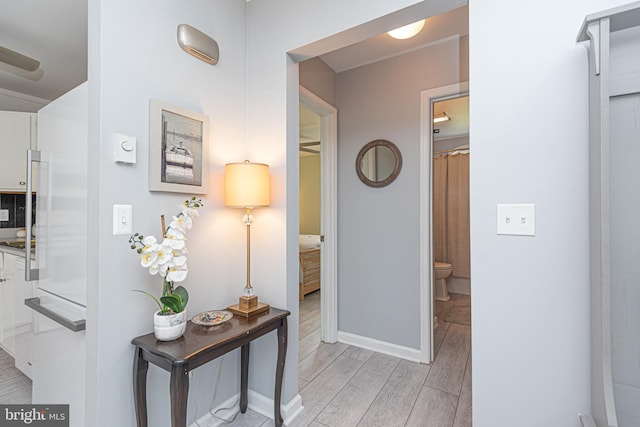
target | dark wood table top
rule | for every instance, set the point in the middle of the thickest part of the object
(198, 339)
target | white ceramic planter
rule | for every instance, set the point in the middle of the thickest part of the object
(169, 327)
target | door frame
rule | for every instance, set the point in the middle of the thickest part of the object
(329, 212)
(427, 97)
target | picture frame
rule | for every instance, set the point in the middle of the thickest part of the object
(178, 149)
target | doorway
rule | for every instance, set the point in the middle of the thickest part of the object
(451, 220)
(324, 146)
(447, 135)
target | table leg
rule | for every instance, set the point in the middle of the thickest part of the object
(244, 377)
(282, 354)
(140, 368)
(179, 390)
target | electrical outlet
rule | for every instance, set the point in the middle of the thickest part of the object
(4, 214)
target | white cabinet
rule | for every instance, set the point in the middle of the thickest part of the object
(8, 341)
(17, 135)
(24, 320)
(59, 359)
(17, 319)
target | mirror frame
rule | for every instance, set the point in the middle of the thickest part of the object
(396, 168)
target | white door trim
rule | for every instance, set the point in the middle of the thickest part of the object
(329, 215)
(426, 195)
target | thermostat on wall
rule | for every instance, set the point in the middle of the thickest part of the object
(124, 147)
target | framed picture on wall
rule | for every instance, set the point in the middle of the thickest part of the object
(178, 149)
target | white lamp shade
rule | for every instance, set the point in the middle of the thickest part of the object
(246, 185)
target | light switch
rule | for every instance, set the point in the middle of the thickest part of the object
(124, 148)
(516, 219)
(4, 214)
(122, 220)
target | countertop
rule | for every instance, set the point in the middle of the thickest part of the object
(14, 251)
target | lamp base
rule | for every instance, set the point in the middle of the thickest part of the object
(248, 301)
(248, 306)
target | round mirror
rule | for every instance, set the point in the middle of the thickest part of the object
(378, 163)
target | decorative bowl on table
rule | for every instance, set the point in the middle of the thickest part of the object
(212, 318)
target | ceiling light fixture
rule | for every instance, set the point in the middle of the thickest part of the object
(31, 75)
(407, 31)
(439, 118)
(18, 60)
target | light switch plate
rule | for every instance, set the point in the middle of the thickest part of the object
(4, 214)
(516, 219)
(122, 220)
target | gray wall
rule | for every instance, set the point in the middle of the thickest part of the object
(450, 143)
(378, 240)
(319, 78)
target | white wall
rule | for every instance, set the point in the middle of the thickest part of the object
(134, 56)
(378, 240)
(530, 295)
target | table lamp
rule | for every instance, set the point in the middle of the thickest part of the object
(247, 186)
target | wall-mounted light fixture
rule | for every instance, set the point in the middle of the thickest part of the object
(407, 31)
(198, 44)
(442, 117)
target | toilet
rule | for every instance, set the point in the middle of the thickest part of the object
(442, 270)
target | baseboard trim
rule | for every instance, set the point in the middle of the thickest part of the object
(402, 352)
(587, 421)
(264, 406)
(258, 403)
(459, 285)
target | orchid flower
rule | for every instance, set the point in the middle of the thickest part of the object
(176, 274)
(181, 222)
(169, 257)
(175, 239)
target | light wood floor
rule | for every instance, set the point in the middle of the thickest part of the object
(15, 387)
(342, 385)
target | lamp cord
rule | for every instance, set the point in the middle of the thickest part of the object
(213, 413)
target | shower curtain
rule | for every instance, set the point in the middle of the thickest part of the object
(440, 208)
(451, 227)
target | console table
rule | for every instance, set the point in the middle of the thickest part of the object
(200, 345)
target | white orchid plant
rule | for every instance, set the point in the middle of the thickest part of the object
(168, 258)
